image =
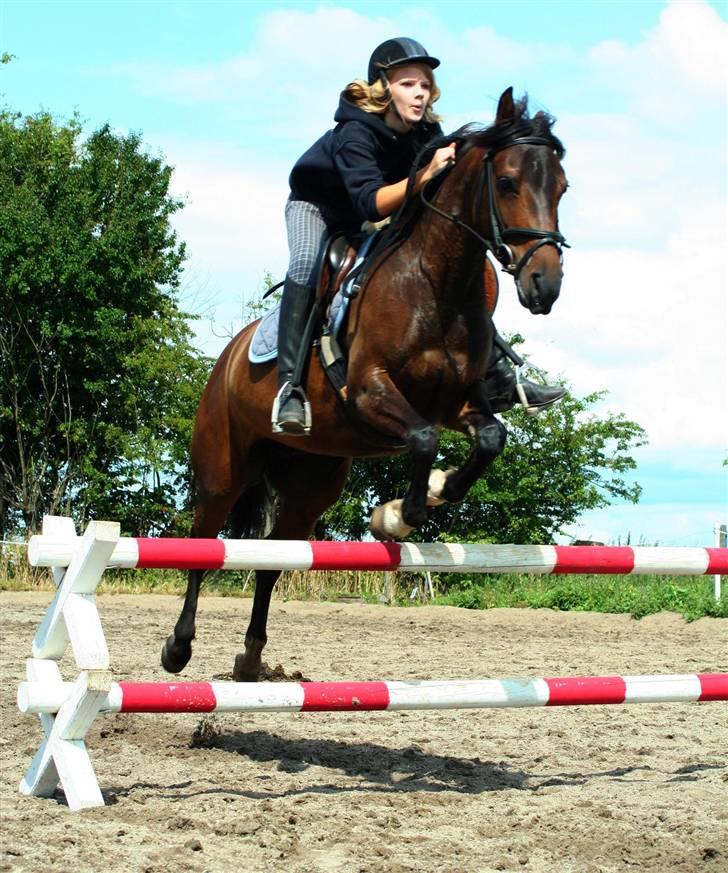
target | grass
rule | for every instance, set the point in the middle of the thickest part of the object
(691, 596)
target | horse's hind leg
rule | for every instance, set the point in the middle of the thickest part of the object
(210, 516)
(177, 649)
(307, 486)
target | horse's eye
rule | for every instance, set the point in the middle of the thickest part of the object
(506, 185)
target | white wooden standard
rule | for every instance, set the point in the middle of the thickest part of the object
(63, 755)
(72, 617)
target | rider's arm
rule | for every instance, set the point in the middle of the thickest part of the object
(372, 198)
(389, 198)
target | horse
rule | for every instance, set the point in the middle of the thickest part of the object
(418, 337)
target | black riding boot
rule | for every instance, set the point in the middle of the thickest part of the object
(291, 409)
(505, 389)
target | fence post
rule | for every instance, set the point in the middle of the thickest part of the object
(721, 540)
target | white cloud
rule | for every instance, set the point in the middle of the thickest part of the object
(648, 326)
(684, 55)
(299, 59)
(279, 82)
(643, 308)
(651, 524)
(233, 227)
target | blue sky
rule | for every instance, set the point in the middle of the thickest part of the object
(231, 93)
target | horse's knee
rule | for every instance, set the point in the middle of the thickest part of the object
(490, 440)
(423, 441)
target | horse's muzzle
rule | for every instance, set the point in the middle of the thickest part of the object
(538, 291)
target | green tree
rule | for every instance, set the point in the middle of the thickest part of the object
(555, 466)
(98, 377)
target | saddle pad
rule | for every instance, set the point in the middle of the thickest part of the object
(264, 345)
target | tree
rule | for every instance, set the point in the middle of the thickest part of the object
(98, 377)
(555, 466)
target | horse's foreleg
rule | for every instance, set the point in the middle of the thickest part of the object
(307, 486)
(489, 436)
(384, 408)
(423, 442)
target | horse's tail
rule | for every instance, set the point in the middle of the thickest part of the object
(254, 512)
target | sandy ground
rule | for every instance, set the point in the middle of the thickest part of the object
(582, 789)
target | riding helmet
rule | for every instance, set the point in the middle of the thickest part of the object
(394, 52)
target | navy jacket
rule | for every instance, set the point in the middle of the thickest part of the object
(344, 169)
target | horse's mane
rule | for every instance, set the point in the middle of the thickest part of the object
(467, 137)
(473, 134)
(522, 124)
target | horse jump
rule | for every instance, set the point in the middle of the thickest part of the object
(67, 709)
(218, 554)
(155, 697)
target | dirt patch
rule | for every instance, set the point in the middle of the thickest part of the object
(583, 789)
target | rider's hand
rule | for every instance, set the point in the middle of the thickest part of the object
(441, 160)
(390, 197)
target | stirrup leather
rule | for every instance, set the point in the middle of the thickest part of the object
(285, 391)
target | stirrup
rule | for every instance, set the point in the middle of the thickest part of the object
(521, 391)
(285, 391)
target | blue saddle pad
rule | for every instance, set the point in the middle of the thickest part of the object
(264, 345)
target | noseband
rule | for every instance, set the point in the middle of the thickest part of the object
(502, 235)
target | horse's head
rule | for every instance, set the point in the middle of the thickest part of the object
(525, 182)
(511, 173)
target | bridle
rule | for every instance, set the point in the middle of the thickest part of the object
(502, 235)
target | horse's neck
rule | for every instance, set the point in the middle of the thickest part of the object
(451, 258)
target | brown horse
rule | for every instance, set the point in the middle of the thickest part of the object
(418, 338)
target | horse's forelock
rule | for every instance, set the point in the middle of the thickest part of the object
(487, 136)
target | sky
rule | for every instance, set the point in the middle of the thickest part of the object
(231, 93)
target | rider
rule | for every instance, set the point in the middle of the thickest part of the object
(358, 172)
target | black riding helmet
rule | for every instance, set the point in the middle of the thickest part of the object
(394, 52)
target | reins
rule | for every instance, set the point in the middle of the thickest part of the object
(498, 245)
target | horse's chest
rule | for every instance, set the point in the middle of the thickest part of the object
(436, 368)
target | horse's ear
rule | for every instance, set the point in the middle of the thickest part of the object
(506, 110)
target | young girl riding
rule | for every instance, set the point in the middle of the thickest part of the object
(358, 173)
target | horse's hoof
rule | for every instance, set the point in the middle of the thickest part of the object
(387, 522)
(243, 672)
(175, 656)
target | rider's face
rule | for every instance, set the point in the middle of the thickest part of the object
(410, 86)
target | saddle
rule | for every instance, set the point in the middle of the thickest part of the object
(345, 264)
(341, 279)
(343, 267)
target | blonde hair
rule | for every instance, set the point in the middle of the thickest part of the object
(377, 98)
